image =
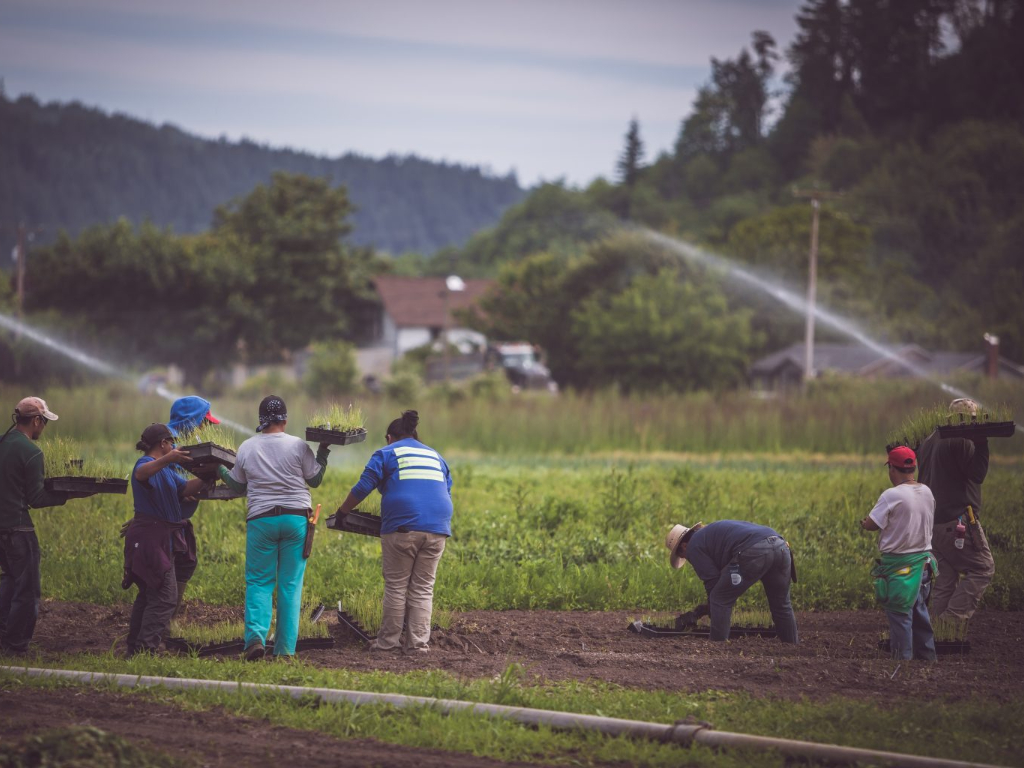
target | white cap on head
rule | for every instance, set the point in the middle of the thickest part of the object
(964, 405)
(34, 406)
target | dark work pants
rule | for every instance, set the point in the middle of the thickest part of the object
(151, 614)
(770, 562)
(19, 588)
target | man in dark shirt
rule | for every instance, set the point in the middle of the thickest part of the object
(21, 487)
(730, 556)
(954, 469)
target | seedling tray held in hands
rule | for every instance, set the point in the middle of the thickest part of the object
(355, 522)
(86, 485)
(220, 493)
(652, 630)
(334, 436)
(974, 430)
(206, 457)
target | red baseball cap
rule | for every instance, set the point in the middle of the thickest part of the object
(211, 418)
(902, 457)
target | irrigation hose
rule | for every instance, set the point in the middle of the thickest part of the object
(683, 734)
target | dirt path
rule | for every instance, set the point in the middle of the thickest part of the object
(209, 738)
(838, 654)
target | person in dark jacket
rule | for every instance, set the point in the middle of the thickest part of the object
(154, 537)
(21, 488)
(730, 556)
(416, 520)
(188, 414)
(954, 469)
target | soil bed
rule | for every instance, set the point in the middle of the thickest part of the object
(838, 653)
(209, 738)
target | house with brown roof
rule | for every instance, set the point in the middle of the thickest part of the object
(415, 311)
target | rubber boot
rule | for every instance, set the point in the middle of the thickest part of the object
(179, 609)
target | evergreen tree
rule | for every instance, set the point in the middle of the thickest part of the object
(632, 156)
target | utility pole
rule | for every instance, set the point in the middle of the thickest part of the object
(23, 232)
(816, 195)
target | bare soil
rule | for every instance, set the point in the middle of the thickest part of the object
(838, 654)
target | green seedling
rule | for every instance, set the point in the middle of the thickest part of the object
(228, 631)
(753, 618)
(210, 433)
(950, 630)
(338, 418)
(922, 423)
(367, 607)
(62, 457)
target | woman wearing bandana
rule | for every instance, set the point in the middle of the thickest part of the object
(273, 470)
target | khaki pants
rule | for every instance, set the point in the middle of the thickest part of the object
(409, 562)
(964, 574)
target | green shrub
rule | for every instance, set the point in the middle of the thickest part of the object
(331, 369)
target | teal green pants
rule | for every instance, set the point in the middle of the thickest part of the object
(273, 557)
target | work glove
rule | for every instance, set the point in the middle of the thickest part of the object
(689, 619)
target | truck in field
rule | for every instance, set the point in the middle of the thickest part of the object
(521, 364)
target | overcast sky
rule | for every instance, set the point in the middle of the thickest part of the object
(542, 87)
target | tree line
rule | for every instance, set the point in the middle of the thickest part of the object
(67, 166)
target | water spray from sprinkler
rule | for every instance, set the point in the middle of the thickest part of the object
(88, 361)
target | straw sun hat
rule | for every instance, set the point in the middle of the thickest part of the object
(676, 535)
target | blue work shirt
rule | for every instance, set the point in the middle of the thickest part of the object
(713, 547)
(160, 495)
(415, 485)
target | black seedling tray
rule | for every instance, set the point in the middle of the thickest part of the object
(206, 457)
(86, 484)
(350, 623)
(971, 430)
(182, 645)
(220, 493)
(650, 630)
(356, 522)
(334, 436)
(942, 647)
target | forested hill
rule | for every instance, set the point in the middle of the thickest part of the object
(70, 166)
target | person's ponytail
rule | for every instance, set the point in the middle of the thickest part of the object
(404, 426)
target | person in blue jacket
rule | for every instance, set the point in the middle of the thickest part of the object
(416, 520)
(188, 414)
(730, 556)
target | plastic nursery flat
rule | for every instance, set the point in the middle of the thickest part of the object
(942, 647)
(350, 623)
(355, 522)
(976, 429)
(334, 436)
(220, 493)
(86, 484)
(206, 457)
(651, 630)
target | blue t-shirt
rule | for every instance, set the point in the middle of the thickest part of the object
(713, 547)
(415, 485)
(159, 496)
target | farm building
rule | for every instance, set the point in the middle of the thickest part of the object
(785, 369)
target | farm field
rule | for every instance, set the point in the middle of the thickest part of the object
(553, 554)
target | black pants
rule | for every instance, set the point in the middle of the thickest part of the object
(151, 614)
(19, 588)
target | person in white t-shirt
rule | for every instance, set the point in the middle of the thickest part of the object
(273, 470)
(904, 515)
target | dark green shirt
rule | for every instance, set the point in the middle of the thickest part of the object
(21, 481)
(954, 469)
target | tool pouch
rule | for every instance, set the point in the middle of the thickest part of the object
(307, 545)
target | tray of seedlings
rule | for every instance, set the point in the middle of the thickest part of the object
(352, 625)
(219, 492)
(365, 520)
(365, 611)
(65, 471)
(988, 422)
(336, 425)
(228, 636)
(747, 622)
(950, 638)
(209, 447)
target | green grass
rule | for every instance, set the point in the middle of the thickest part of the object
(741, 617)
(65, 457)
(338, 418)
(209, 433)
(971, 730)
(570, 534)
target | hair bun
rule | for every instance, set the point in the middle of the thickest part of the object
(410, 419)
